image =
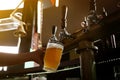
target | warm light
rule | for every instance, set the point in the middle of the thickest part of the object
(9, 4)
(39, 18)
(9, 49)
(5, 68)
(57, 3)
(1, 68)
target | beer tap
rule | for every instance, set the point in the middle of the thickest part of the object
(104, 12)
(92, 16)
(91, 20)
(53, 37)
(64, 33)
(103, 15)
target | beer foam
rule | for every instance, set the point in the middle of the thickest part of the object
(51, 45)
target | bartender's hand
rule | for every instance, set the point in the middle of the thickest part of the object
(39, 56)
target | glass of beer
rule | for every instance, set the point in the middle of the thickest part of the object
(52, 56)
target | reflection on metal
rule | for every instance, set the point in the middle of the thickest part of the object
(20, 32)
(63, 32)
(65, 69)
(113, 41)
(108, 61)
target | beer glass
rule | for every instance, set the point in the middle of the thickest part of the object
(53, 54)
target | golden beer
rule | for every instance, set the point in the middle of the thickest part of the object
(52, 57)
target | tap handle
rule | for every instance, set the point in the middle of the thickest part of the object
(64, 11)
(64, 16)
(104, 12)
(92, 5)
(54, 30)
